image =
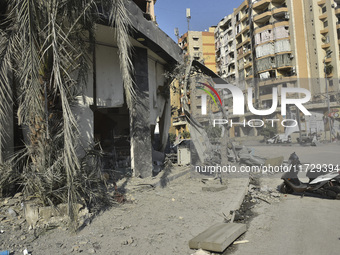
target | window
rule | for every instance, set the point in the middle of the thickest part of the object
(195, 38)
(325, 24)
(196, 48)
(324, 9)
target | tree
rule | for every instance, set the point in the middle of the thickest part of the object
(268, 132)
(44, 48)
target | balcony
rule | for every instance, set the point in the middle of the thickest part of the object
(324, 31)
(326, 46)
(278, 80)
(328, 60)
(249, 64)
(261, 4)
(281, 13)
(281, 23)
(322, 2)
(323, 16)
(245, 29)
(246, 16)
(278, 1)
(269, 96)
(260, 29)
(243, 43)
(246, 53)
(278, 10)
(263, 17)
(285, 67)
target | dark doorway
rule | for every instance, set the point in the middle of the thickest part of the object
(112, 134)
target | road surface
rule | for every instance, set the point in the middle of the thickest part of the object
(295, 226)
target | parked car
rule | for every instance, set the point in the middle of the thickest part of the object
(280, 138)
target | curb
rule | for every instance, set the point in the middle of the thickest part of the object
(238, 188)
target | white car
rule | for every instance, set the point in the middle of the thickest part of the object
(281, 138)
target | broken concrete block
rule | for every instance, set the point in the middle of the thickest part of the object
(218, 237)
(46, 213)
(31, 214)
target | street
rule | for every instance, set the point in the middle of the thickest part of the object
(296, 225)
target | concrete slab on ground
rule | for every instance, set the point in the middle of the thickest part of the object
(218, 237)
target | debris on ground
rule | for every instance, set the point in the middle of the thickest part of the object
(218, 237)
(241, 242)
(22, 221)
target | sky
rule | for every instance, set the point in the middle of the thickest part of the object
(204, 13)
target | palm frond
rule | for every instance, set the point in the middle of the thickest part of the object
(118, 18)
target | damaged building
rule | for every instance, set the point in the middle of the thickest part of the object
(281, 44)
(126, 137)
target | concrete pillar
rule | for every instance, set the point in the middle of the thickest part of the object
(141, 148)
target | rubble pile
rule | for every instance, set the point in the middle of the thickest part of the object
(256, 194)
(22, 221)
(264, 194)
(14, 231)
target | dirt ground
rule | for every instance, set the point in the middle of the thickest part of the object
(157, 221)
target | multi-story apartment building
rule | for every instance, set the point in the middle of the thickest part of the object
(201, 46)
(244, 46)
(283, 43)
(225, 49)
(322, 19)
(279, 43)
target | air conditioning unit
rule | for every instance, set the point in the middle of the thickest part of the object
(334, 5)
(294, 70)
(287, 16)
(291, 56)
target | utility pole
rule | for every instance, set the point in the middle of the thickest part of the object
(329, 53)
(177, 33)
